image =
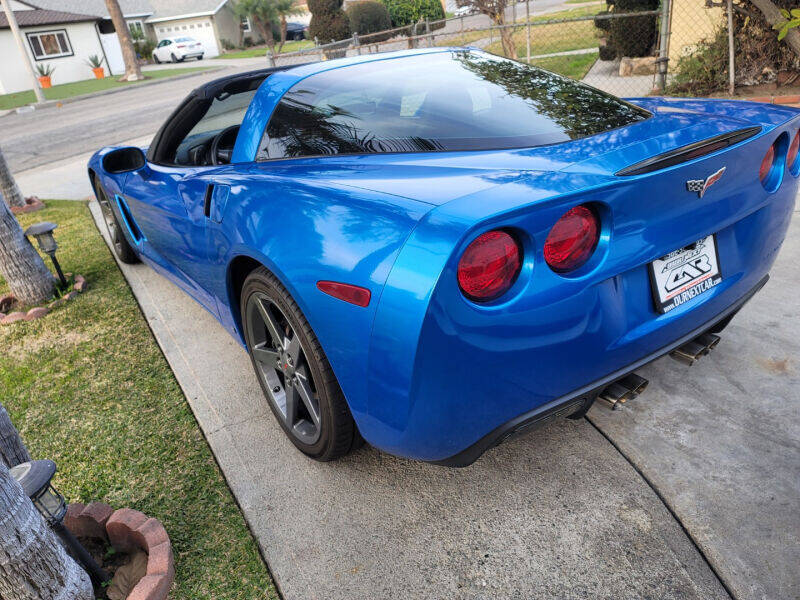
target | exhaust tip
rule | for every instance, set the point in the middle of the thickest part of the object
(622, 390)
(691, 351)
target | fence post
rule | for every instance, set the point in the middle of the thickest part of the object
(731, 60)
(663, 46)
(528, 27)
(428, 32)
(513, 13)
(356, 42)
(270, 58)
(462, 24)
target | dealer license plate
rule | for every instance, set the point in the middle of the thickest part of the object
(683, 274)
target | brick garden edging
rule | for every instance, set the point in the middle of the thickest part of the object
(127, 529)
(32, 204)
(39, 311)
(792, 100)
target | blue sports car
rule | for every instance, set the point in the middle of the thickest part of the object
(433, 250)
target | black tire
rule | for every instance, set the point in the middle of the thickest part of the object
(174, 58)
(336, 433)
(122, 249)
(200, 57)
(155, 59)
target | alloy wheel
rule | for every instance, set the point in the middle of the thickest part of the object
(283, 368)
(111, 221)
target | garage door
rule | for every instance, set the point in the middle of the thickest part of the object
(199, 29)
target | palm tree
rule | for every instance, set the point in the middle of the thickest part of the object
(262, 13)
(132, 70)
(285, 8)
(33, 564)
(12, 448)
(9, 189)
(28, 278)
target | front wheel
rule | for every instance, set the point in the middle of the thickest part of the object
(200, 57)
(155, 59)
(293, 371)
(121, 246)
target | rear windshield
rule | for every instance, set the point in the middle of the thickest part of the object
(184, 40)
(437, 102)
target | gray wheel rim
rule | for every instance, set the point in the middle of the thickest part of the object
(282, 366)
(111, 221)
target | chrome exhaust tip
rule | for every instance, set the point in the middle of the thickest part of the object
(691, 351)
(622, 390)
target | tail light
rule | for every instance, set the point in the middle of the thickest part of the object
(489, 266)
(767, 164)
(181, 45)
(791, 156)
(572, 240)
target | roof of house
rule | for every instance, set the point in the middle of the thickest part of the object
(175, 9)
(32, 18)
(130, 8)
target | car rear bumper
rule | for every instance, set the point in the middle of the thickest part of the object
(580, 400)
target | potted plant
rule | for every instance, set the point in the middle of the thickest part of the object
(96, 63)
(45, 71)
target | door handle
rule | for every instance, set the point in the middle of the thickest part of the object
(215, 201)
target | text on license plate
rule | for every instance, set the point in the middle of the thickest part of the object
(683, 274)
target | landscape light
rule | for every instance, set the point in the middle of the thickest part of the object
(43, 232)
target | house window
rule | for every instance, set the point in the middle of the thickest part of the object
(49, 44)
(137, 29)
(246, 25)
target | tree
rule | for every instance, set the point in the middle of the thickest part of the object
(496, 11)
(263, 14)
(774, 17)
(132, 71)
(28, 278)
(285, 8)
(329, 23)
(33, 564)
(12, 449)
(9, 189)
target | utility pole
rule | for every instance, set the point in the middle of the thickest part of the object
(12, 23)
(528, 27)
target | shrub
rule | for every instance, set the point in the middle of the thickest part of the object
(369, 17)
(144, 48)
(227, 44)
(329, 23)
(703, 71)
(633, 36)
(408, 12)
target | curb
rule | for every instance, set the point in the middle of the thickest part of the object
(39, 311)
(71, 99)
(784, 99)
(127, 529)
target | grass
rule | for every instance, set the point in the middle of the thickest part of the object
(575, 65)
(88, 387)
(291, 46)
(87, 86)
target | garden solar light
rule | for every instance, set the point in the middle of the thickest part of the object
(35, 478)
(43, 232)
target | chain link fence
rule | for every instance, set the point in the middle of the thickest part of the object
(627, 53)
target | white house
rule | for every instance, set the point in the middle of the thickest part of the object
(64, 40)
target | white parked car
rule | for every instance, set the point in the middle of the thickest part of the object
(178, 49)
(465, 11)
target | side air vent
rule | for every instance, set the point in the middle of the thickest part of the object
(687, 153)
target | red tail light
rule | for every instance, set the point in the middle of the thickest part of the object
(572, 239)
(767, 164)
(489, 266)
(791, 156)
(181, 45)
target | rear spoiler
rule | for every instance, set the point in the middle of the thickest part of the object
(687, 153)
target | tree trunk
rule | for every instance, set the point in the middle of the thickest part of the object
(33, 564)
(8, 187)
(506, 36)
(266, 31)
(773, 16)
(283, 33)
(29, 280)
(12, 448)
(132, 71)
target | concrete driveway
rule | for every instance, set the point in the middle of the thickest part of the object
(691, 491)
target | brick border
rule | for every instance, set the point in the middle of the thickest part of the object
(40, 311)
(774, 99)
(32, 204)
(127, 529)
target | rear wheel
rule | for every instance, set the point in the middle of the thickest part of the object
(174, 58)
(155, 59)
(121, 246)
(293, 371)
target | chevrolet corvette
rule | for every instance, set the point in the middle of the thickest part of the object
(433, 250)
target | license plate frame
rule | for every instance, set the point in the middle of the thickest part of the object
(685, 273)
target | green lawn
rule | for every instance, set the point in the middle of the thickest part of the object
(88, 387)
(291, 46)
(88, 86)
(572, 65)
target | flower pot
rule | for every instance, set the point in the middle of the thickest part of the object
(99, 72)
(45, 82)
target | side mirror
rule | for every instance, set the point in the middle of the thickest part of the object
(124, 160)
